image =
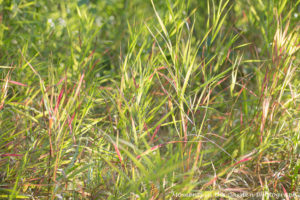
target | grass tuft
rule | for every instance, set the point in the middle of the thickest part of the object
(149, 99)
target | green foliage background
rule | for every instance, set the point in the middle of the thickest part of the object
(119, 99)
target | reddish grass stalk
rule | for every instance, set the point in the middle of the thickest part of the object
(243, 160)
(188, 161)
(198, 152)
(58, 101)
(18, 83)
(155, 132)
(79, 85)
(119, 155)
(285, 193)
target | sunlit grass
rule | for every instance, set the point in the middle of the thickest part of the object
(149, 99)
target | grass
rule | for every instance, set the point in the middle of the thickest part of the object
(149, 99)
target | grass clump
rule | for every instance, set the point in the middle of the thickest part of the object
(149, 99)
